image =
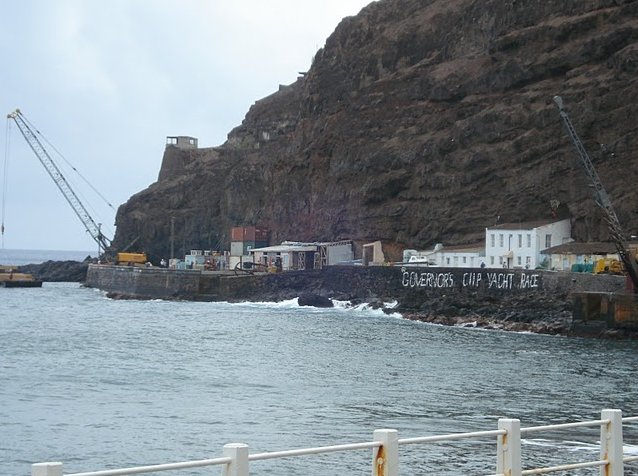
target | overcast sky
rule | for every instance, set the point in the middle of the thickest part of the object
(106, 82)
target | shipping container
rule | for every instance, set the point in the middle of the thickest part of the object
(237, 234)
(249, 233)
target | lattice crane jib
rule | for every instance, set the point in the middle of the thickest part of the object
(601, 197)
(58, 178)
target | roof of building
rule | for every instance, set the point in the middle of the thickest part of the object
(285, 248)
(523, 225)
(317, 243)
(469, 248)
(580, 248)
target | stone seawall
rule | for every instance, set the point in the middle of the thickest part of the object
(534, 300)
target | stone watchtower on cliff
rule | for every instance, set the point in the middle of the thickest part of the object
(182, 142)
(177, 152)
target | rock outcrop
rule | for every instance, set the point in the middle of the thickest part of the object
(419, 122)
(59, 271)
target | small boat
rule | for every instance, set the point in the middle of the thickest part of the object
(10, 278)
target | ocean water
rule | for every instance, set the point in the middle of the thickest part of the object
(23, 257)
(103, 384)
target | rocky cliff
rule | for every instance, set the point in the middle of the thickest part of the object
(419, 121)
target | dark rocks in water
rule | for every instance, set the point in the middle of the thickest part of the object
(58, 271)
(314, 300)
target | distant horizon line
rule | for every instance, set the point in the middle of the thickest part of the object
(48, 250)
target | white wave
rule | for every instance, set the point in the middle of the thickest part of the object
(468, 324)
(339, 306)
(286, 304)
(366, 308)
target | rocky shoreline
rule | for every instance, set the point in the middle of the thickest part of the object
(540, 313)
(548, 327)
(544, 309)
(59, 271)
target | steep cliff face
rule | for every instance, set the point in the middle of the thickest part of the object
(420, 122)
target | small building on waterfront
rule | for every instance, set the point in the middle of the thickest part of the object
(459, 256)
(581, 257)
(519, 245)
(291, 255)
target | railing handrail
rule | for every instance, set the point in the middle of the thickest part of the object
(385, 451)
(560, 426)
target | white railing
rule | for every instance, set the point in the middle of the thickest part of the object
(385, 451)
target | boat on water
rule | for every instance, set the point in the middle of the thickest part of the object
(11, 278)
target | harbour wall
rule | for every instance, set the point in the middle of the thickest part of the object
(540, 301)
(411, 286)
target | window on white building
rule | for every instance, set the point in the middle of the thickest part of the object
(529, 240)
(447, 260)
(464, 259)
(520, 261)
(492, 260)
(548, 241)
(493, 239)
(520, 240)
(500, 240)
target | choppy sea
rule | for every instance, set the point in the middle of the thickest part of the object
(102, 384)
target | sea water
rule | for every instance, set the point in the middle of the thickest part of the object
(23, 257)
(102, 384)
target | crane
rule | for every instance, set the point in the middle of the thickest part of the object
(602, 198)
(43, 156)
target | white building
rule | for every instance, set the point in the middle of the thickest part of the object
(519, 245)
(462, 256)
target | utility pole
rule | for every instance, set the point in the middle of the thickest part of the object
(172, 237)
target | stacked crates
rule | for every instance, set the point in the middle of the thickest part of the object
(246, 238)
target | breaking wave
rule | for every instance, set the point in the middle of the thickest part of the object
(345, 307)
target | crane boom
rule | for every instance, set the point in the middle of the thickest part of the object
(601, 197)
(43, 156)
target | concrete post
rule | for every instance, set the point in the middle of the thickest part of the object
(508, 448)
(611, 442)
(238, 452)
(385, 459)
(46, 469)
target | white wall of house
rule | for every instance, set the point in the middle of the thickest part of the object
(519, 246)
(459, 259)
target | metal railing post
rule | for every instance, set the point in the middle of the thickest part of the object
(385, 458)
(508, 448)
(611, 442)
(46, 469)
(238, 452)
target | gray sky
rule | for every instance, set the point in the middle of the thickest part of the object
(106, 81)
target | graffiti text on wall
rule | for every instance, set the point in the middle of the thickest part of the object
(486, 279)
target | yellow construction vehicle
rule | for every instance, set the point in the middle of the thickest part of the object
(608, 266)
(131, 259)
